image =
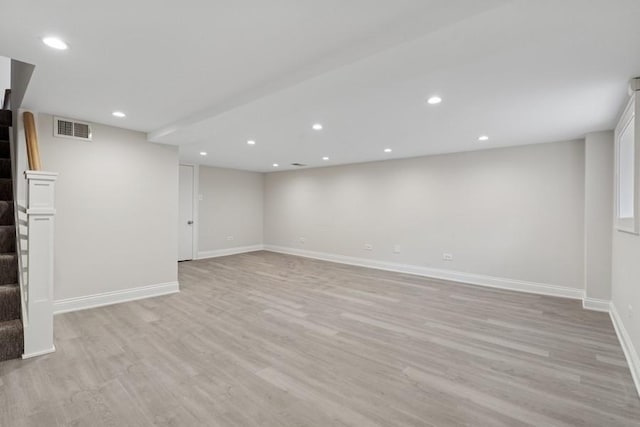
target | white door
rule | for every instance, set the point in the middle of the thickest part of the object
(185, 212)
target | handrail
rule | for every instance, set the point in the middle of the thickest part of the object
(31, 135)
(7, 97)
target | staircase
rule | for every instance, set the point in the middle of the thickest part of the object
(11, 331)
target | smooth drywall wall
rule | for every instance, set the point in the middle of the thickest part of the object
(21, 73)
(5, 75)
(230, 209)
(625, 286)
(625, 289)
(515, 213)
(117, 210)
(598, 214)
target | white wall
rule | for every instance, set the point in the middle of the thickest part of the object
(5, 76)
(515, 213)
(231, 206)
(116, 200)
(625, 287)
(598, 215)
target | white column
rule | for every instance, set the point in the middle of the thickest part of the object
(38, 320)
(598, 219)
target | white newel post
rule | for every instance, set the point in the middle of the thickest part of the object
(38, 321)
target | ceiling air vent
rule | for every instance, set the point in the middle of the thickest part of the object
(299, 165)
(67, 128)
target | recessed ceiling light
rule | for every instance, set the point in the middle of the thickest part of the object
(434, 100)
(55, 43)
(203, 153)
(275, 165)
(325, 158)
(317, 126)
(483, 138)
(251, 142)
(119, 114)
(387, 150)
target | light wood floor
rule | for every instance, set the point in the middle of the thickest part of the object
(274, 340)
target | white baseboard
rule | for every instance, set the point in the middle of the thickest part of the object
(627, 346)
(39, 353)
(473, 279)
(229, 251)
(596, 304)
(115, 297)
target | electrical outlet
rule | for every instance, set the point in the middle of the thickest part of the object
(368, 247)
(229, 238)
(200, 197)
(396, 249)
(630, 311)
(303, 240)
(447, 257)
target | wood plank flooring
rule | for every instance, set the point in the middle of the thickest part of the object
(265, 339)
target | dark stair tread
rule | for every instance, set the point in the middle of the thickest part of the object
(8, 268)
(11, 340)
(10, 287)
(6, 118)
(6, 213)
(7, 238)
(6, 189)
(9, 302)
(10, 324)
(5, 168)
(5, 150)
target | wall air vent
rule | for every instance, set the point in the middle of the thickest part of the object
(299, 165)
(67, 128)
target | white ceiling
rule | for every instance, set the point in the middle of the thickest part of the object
(210, 75)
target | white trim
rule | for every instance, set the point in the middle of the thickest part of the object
(456, 276)
(115, 297)
(229, 251)
(627, 346)
(39, 353)
(41, 175)
(595, 304)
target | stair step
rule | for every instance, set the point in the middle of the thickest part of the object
(4, 133)
(9, 302)
(5, 168)
(11, 340)
(6, 189)
(5, 150)
(6, 213)
(7, 238)
(6, 118)
(8, 269)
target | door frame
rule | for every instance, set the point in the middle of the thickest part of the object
(195, 205)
